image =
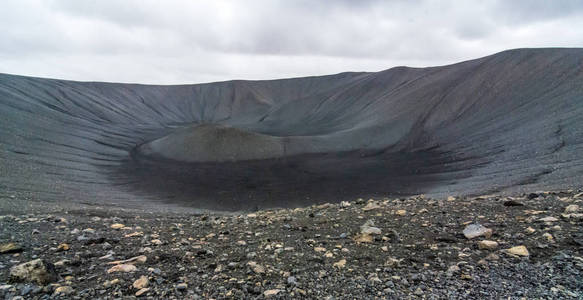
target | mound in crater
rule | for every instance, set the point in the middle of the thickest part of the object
(214, 143)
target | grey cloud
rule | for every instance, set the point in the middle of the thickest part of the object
(188, 41)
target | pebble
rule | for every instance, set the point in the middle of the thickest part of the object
(36, 270)
(141, 282)
(340, 264)
(548, 219)
(181, 286)
(573, 208)
(126, 268)
(6, 248)
(117, 226)
(369, 228)
(475, 230)
(401, 212)
(141, 292)
(487, 244)
(63, 290)
(270, 293)
(518, 250)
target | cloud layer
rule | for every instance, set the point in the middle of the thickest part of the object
(169, 42)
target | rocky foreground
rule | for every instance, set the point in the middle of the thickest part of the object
(486, 247)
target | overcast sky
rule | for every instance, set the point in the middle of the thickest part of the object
(169, 42)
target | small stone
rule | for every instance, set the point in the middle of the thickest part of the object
(385, 248)
(488, 245)
(126, 268)
(518, 250)
(141, 292)
(548, 219)
(140, 259)
(156, 242)
(573, 208)
(181, 286)
(63, 290)
(117, 226)
(319, 249)
(530, 230)
(291, 280)
(371, 206)
(401, 212)
(340, 264)
(241, 243)
(270, 293)
(466, 277)
(63, 247)
(257, 268)
(368, 228)
(141, 283)
(111, 283)
(548, 237)
(133, 234)
(475, 230)
(10, 248)
(450, 198)
(492, 257)
(36, 270)
(363, 238)
(344, 204)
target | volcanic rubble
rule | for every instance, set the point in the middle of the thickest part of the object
(527, 246)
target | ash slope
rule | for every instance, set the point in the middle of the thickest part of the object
(504, 123)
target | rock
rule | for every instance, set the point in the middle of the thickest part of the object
(141, 292)
(257, 268)
(126, 268)
(111, 283)
(475, 230)
(140, 259)
(117, 226)
(64, 290)
(532, 196)
(156, 242)
(401, 212)
(241, 243)
(63, 247)
(181, 286)
(270, 293)
(371, 206)
(573, 208)
(6, 248)
(133, 234)
(530, 230)
(548, 219)
(488, 245)
(518, 250)
(37, 270)
(141, 283)
(340, 264)
(319, 249)
(291, 280)
(450, 198)
(344, 204)
(363, 238)
(368, 228)
(548, 237)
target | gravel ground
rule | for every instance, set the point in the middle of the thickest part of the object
(409, 248)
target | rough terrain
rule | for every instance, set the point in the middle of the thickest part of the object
(402, 248)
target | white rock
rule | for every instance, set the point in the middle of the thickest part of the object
(475, 230)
